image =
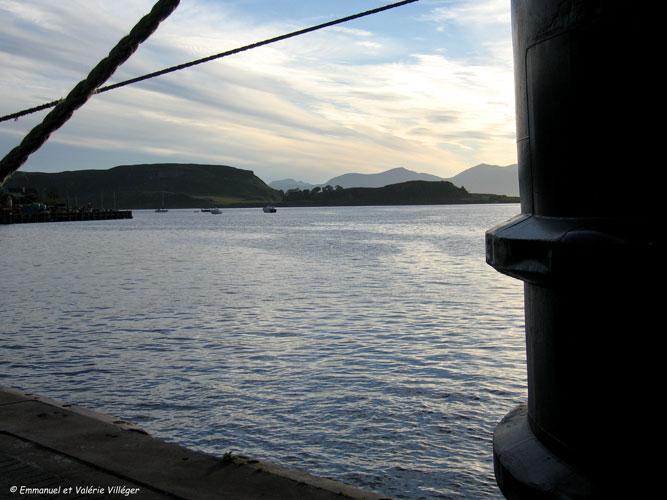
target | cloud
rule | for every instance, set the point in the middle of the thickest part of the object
(473, 13)
(352, 98)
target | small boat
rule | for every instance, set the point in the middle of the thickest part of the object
(269, 209)
(162, 210)
(216, 211)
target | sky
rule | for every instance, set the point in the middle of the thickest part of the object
(427, 86)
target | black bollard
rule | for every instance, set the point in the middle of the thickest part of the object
(586, 245)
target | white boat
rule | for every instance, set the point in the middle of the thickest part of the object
(216, 211)
(269, 209)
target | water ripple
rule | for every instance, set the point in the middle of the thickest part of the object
(371, 345)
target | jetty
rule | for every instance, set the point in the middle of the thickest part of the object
(49, 449)
(16, 217)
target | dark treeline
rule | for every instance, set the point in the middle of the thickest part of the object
(404, 193)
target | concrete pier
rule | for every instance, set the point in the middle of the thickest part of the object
(49, 449)
(10, 217)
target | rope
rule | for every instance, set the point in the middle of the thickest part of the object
(215, 56)
(64, 109)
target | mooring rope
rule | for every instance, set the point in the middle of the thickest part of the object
(65, 108)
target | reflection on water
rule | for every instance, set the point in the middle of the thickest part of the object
(371, 345)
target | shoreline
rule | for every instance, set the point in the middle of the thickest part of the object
(10, 217)
(73, 450)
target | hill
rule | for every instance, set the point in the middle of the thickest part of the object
(287, 184)
(482, 178)
(144, 186)
(393, 176)
(404, 193)
(485, 178)
(197, 186)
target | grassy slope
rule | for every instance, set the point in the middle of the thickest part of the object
(143, 186)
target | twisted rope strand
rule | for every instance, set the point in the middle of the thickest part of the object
(64, 109)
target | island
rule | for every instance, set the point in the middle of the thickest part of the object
(179, 185)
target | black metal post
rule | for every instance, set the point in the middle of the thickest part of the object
(586, 245)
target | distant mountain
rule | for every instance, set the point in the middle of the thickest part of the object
(393, 176)
(287, 184)
(483, 178)
(489, 179)
(144, 186)
(196, 186)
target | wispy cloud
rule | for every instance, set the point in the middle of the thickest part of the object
(363, 97)
(473, 12)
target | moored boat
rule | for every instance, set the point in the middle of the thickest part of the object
(162, 210)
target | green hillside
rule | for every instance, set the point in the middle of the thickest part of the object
(144, 186)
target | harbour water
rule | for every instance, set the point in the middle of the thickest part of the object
(371, 345)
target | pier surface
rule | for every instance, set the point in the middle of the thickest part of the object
(53, 450)
(9, 217)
